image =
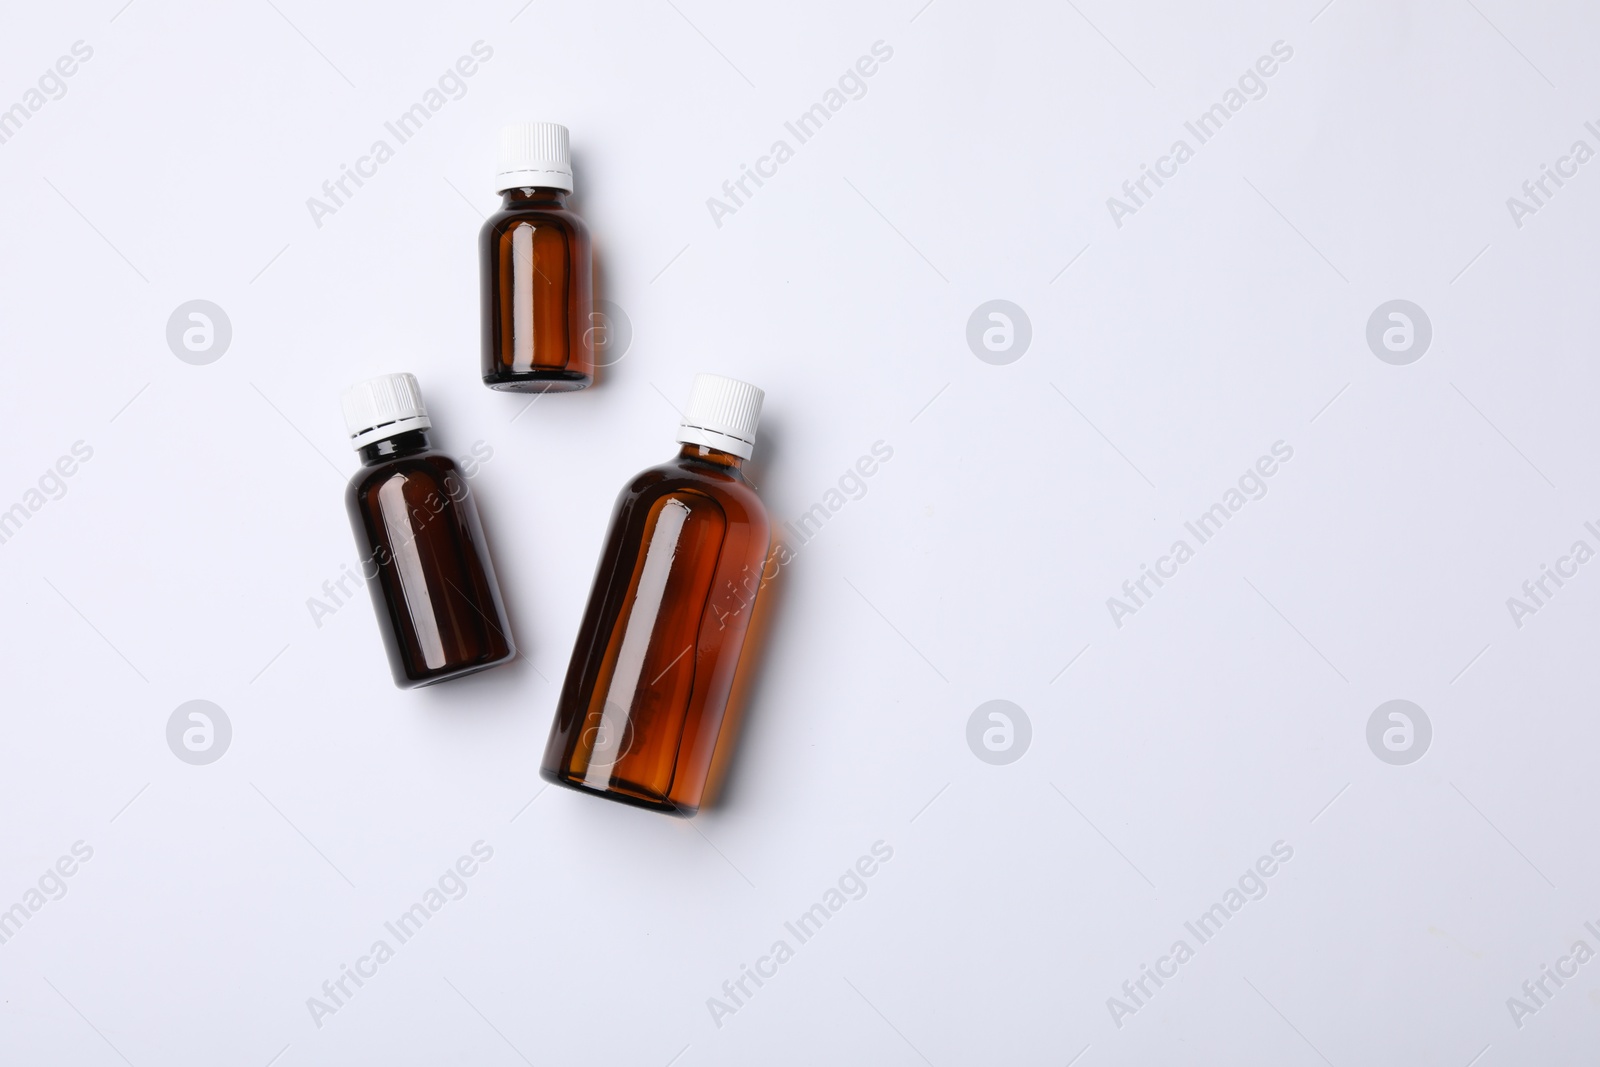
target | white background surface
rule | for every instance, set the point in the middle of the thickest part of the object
(1224, 316)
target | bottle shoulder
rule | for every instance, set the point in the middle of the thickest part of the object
(561, 219)
(679, 477)
(429, 468)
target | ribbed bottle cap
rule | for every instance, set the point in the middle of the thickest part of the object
(534, 154)
(722, 413)
(382, 407)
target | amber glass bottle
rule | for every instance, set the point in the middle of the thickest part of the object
(422, 547)
(647, 689)
(537, 270)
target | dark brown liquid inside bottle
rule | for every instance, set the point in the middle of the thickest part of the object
(426, 563)
(646, 692)
(537, 271)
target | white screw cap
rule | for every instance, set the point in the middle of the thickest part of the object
(383, 407)
(534, 154)
(722, 413)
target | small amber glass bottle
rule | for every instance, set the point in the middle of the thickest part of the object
(648, 686)
(537, 270)
(422, 547)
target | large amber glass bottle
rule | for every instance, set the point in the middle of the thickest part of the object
(647, 690)
(537, 271)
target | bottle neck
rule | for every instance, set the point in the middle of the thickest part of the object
(714, 456)
(534, 196)
(401, 444)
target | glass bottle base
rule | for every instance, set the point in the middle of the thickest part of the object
(621, 792)
(539, 381)
(404, 681)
